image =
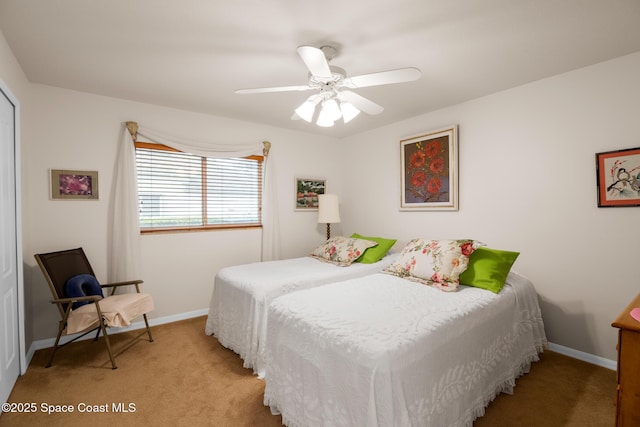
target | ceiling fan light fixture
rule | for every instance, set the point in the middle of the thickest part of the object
(332, 88)
(332, 109)
(325, 119)
(349, 112)
(306, 110)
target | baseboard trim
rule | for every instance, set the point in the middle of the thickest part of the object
(49, 342)
(585, 357)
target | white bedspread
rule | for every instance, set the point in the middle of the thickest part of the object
(242, 293)
(384, 351)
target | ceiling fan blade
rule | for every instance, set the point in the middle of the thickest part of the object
(274, 89)
(315, 61)
(360, 102)
(383, 78)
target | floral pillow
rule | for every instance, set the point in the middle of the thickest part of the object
(342, 250)
(436, 263)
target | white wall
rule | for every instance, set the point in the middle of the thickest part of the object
(10, 71)
(527, 183)
(80, 131)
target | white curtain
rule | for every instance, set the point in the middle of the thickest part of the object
(270, 223)
(124, 251)
(198, 148)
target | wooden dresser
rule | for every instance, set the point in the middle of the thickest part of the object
(628, 393)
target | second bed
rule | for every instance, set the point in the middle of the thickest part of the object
(242, 294)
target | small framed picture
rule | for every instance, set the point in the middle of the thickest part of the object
(74, 185)
(429, 171)
(618, 178)
(307, 191)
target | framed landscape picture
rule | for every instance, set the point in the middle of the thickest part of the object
(618, 178)
(74, 185)
(307, 191)
(429, 169)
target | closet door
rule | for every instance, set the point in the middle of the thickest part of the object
(9, 327)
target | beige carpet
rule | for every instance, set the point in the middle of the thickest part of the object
(186, 378)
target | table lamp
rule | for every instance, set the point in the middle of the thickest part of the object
(328, 211)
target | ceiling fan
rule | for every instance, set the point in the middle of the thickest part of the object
(333, 88)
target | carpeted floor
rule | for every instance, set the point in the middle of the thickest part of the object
(186, 378)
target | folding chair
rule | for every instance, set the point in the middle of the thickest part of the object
(81, 303)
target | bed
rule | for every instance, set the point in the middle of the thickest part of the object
(385, 351)
(241, 294)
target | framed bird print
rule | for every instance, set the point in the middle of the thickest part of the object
(429, 164)
(618, 178)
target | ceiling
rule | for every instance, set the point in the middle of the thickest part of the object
(193, 54)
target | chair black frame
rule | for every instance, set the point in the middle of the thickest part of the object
(57, 268)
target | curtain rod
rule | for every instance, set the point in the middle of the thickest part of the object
(133, 130)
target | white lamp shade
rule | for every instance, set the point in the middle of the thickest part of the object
(349, 112)
(308, 107)
(328, 208)
(324, 118)
(332, 109)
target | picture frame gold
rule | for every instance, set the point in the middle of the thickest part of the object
(73, 185)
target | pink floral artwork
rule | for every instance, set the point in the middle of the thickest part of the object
(75, 185)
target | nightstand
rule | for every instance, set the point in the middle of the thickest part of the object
(628, 392)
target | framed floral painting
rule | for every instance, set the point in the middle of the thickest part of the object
(618, 178)
(429, 164)
(74, 185)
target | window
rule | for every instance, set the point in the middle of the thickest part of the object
(180, 191)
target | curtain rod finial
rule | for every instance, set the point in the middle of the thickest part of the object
(266, 146)
(133, 129)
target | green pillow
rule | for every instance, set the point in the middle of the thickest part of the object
(375, 253)
(488, 268)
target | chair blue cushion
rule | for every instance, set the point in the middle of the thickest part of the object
(80, 286)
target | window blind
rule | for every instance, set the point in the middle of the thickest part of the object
(181, 190)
